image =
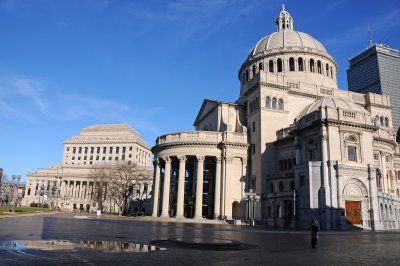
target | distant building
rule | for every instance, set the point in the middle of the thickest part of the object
(377, 70)
(96, 145)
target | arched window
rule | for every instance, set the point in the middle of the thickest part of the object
(327, 70)
(291, 64)
(331, 73)
(279, 211)
(351, 139)
(254, 105)
(382, 121)
(273, 103)
(319, 67)
(279, 65)
(280, 186)
(247, 75)
(312, 69)
(260, 66)
(280, 104)
(251, 107)
(267, 102)
(253, 69)
(378, 178)
(386, 122)
(351, 149)
(271, 66)
(376, 121)
(300, 62)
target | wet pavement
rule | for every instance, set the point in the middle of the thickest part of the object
(65, 239)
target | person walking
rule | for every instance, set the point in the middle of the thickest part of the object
(314, 227)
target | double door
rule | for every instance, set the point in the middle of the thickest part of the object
(353, 212)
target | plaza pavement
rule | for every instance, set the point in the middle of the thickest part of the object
(265, 245)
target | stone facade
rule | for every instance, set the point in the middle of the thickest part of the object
(95, 146)
(308, 148)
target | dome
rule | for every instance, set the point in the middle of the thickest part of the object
(334, 102)
(286, 38)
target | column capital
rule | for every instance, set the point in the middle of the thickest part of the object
(167, 159)
(156, 161)
(218, 159)
(200, 158)
(244, 160)
(228, 159)
(182, 158)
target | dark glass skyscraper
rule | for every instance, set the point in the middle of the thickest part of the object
(377, 70)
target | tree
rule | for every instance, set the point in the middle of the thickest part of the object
(100, 176)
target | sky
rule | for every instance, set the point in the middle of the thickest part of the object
(70, 64)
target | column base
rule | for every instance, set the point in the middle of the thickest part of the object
(154, 215)
(198, 218)
(164, 215)
(179, 217)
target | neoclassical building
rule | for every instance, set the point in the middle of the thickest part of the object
(306, 147)
(95, 146)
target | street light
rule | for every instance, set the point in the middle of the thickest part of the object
(251, 198)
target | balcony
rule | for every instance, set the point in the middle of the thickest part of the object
(202, 136)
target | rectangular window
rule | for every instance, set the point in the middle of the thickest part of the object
(387, 159)
(351, 152)
(254, 126)
(104, 150)
(130, 148)
(74, 150)
(80, 150)
(86, 150)
(123, 158)
(130, 155)
(91, 150)
(123, 150)
(111, 150)
(98, 150)
(117, 150)
(67, 148)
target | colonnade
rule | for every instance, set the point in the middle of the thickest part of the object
(181, 187)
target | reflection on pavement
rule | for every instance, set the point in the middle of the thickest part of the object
(107, 246)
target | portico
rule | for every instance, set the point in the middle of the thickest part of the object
(193, 170)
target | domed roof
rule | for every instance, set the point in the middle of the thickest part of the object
(333, 102)
(286, 38)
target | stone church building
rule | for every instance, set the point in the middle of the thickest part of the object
(306, 147)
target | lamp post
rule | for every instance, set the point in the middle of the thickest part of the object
(251, 198)
(56, 193)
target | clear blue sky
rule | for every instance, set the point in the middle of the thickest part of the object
(69, 64)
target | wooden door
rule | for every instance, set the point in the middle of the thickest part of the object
(353, 212)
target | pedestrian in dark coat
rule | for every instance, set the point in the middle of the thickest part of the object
(314, 227)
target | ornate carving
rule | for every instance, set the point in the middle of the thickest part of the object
(167, 159)
(200, 158)
(182, 158)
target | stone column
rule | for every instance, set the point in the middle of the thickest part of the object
(298, 150)
(167, 183)
(181, 187)
(199, 188)
(217, 193)
(222, 197)
(324, 193)
(376, 224)
(156, 188)
(340, 207)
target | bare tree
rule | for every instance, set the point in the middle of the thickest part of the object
(101, 176)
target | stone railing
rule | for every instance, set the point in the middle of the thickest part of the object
(202, 136)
